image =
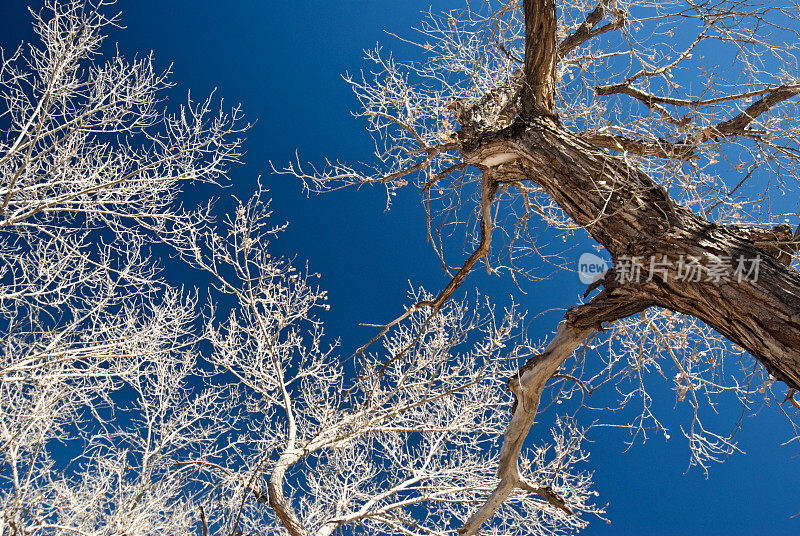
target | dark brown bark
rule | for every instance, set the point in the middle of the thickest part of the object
(632, 216)
(635, 219)
(643, 147)
(540, 57)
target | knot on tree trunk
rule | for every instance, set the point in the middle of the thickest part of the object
(496, 110)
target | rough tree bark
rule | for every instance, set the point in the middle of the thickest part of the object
(631, 215)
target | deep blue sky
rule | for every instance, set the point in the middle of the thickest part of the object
(283, 61)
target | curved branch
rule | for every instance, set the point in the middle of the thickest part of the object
(738, 124)
(279, 503)
(651, 101)
(649, 98)
(529, 383)
(488, 189)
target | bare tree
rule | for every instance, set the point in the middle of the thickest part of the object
(667, 131)
(405, 447)
(127, 406)
(97, 402)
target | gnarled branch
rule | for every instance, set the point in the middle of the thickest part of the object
(528, 385)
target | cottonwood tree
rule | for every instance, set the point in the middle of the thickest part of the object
(667, 131)
(98, 350)
(129, 406)
(93, 336)
(407, 446)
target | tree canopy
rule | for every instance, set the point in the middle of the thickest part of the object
(132, 403)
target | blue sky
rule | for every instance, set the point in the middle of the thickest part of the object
(282, 61)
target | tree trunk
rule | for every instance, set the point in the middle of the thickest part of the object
(634, 218)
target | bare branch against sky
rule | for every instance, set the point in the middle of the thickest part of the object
(166, 370)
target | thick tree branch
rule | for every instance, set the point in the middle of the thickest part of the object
(634, 217)
(649, 98)
(778, 241)
(642, 147)
(280, 505)
(527, 388)
(740, 122)
(540, 58)
(736, 125)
